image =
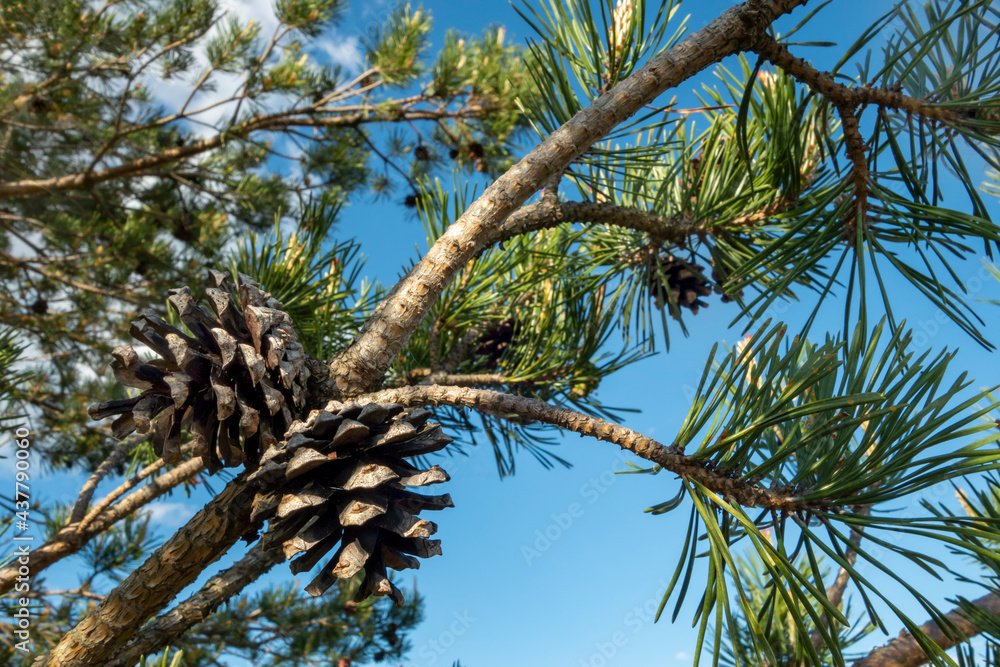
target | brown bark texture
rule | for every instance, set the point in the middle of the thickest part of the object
(904, 651)
(172, 567)
(163, 630)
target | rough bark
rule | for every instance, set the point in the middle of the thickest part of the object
(361, 366)
(172, 567)
(165, 629)
(904, 651)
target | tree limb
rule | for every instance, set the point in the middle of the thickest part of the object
(274, 122)
(362, 365)
(904, 651)
(549, 213)
(70, 539)
(670, 458)
(853, 97)
(172, 567)
(90, 486)
(165, 629)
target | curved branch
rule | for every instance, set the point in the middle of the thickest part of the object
(116, 458)
(530, 409)
(904, 651)
(853, 96)
(362, 365)
(550, 213)
(165, 629)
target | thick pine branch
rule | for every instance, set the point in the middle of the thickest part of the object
(362, 365)
(904, 651)
(165, 629)
(171, 568)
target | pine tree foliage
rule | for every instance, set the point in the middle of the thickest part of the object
(807, 459)
(112, 197)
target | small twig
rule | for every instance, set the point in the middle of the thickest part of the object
(858, 212)
(854, 96)
(87, 492)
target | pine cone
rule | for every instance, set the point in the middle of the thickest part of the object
(495, 341)
(339, 478)
(719, 278)
(235, 383)
(683, 280)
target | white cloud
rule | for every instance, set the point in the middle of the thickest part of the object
(343, 51)
(170, 515)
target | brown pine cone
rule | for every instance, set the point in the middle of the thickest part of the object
(235, 383)
(685, 285)
(339, 480)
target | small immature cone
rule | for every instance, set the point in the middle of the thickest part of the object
(235, 383)
(337, 483)
(684, 284)
(496, 340)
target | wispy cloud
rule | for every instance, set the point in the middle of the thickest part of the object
(342, 50)
(170, 515)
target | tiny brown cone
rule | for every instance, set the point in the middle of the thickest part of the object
(235, 383)
(496, 340)
(684, 286)
(338, 485)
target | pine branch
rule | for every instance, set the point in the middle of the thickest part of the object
(116, 458)
(70, 539)
(172, 567)
(366, 360)
(270, 123)
(530, 409)
(853, 97)
(165, 629)
(859, 175)
(550, 213)
(904, 651)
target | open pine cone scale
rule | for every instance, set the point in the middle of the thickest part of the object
(339, 481)
(233, 382)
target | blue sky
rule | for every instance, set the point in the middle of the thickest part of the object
(562, 567)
